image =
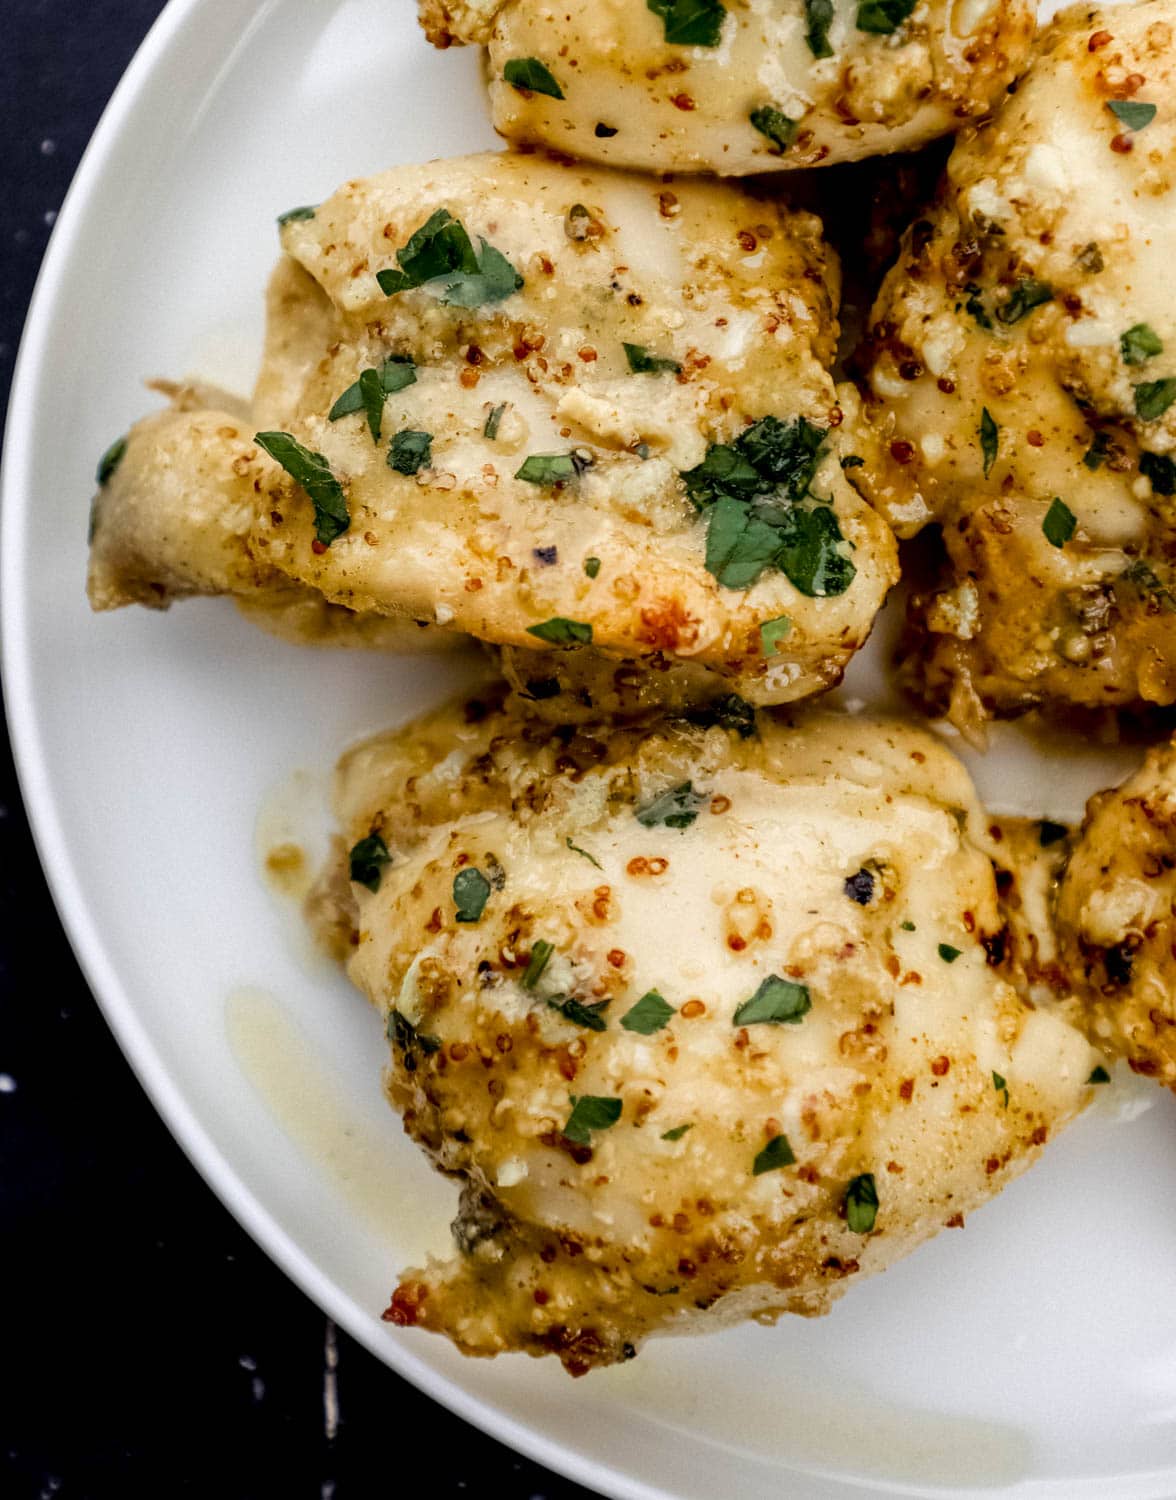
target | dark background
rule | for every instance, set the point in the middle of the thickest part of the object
(149, 1347)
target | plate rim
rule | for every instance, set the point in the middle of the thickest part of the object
(53, 849)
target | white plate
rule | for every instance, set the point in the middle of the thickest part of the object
(1034, 1354)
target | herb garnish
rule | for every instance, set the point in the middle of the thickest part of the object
(977, 309)
(395, 374)
(541, 952)
(642, 362)
(403, 1034)
(603, 132)
(676, 808)
(776, 126)
(1027, 294)
(1154, 397)
(367, 860)
(852, 461)
(861, 1203)
(552, 468)
(411, 451)
(313, 473)
(1001, 1087)
(441, 247)
(818, 15)
(989, 439)
(471, 891)
(494, 421)
(650, 1014)
(1134, 114)
(1161, 470)
(575, 848)
(728, 712)
(1139, 343)
(779, 1001)
(1059, 523)
(883, 16)
(860, 887)
(297, 215)
(528, 75)
(560, 632)
(690, 23)
(1148, 581)
(908, 926)
(592, 566)
(110, 460)
(949, 954)
(772, 632)
(1098, 452)
(1050, 833)
(1100, 1075)
(590, 1112)
(579, 1013)
(776, 1154)
(678, 1132)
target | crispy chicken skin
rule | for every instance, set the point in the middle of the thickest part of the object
(1020, 380)
(842, 79)
(654, 328)
(675, 1003)
(1116, 918)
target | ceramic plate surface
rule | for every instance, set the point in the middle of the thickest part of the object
(1034, 1354)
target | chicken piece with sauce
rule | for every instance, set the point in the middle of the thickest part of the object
(550, 407)
(695, 86)
(703, 1014)
(1020, 385)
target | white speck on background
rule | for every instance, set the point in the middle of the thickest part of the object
(331, 1382)
(7, 1083)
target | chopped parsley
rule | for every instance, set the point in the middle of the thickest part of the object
(411, 451)
(313, 472)
(989, 439)
(1050, 833)
(678, 1132)
(1148, 581)
(297, 215)
(528, 75)
(1100, 1075)
(552, 468)
(590, 1112)
(1139, 343)
(395, 374)
(650, 1014)
(642, 362)
(690, 23)
(818, 15)
(883, 16)
(592, 566)
(1059, 523)
(778, 1001)
(404, 1035)
(1098, 452)
(1134, 115)
(1027, 294)
(541, 952)
(976, 308)
(110, 460)
(1160, 470)
(560, 632)
(494, 421)
(728, 712)
(371, 391)
(861, 1203)
(860, 887)
(367, 860)
(949, 954)
(575, 848)
(776, 126)
(908, 926)
(776, 1154)
(1001, 1087)
(852, 461)
(676, 808)
(471, 891)
(772, 632)
(591, 1017)
(603, 132)
(441, 248)
(1154, 397)
(750, 492)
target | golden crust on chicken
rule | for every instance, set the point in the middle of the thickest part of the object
(1021, 384)
(701, 1014)
(693, 86)
(610, 424)
(1116, 918)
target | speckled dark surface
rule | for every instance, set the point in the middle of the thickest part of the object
(149, 1347)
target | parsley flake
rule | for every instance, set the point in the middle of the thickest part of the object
(861, 1203)
(676, 808)
(395, 374)
(494, 421)
(541, 952)
(728, 712)
(1001, 1087)
(1100, 1075)
(883, 16)
(860, 887)
(590, 1112)
(989, 439)
(1098, 452)
(1131, 113)
(778, 1001)
(949, 954)
(530, 76)
(1148, 581)
(642, 362)
(690, 23)
(1027, 294)
(818, 15)
(109, 462)
(1160, 470)
(367, 860)
(441, 248)
(471, 891)
(772, 632)
(575, 848)
(561, 632)
(411, 451)
(580, 1014)
(678, 1132)
(313, 472)
(776, 126)
(1139, 343)
(297, 215)
(592, 566)
(1050, 833)
(1154, 397)
(552, 468)
(776, 1154)
(1059, 523)
(650, 1014)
